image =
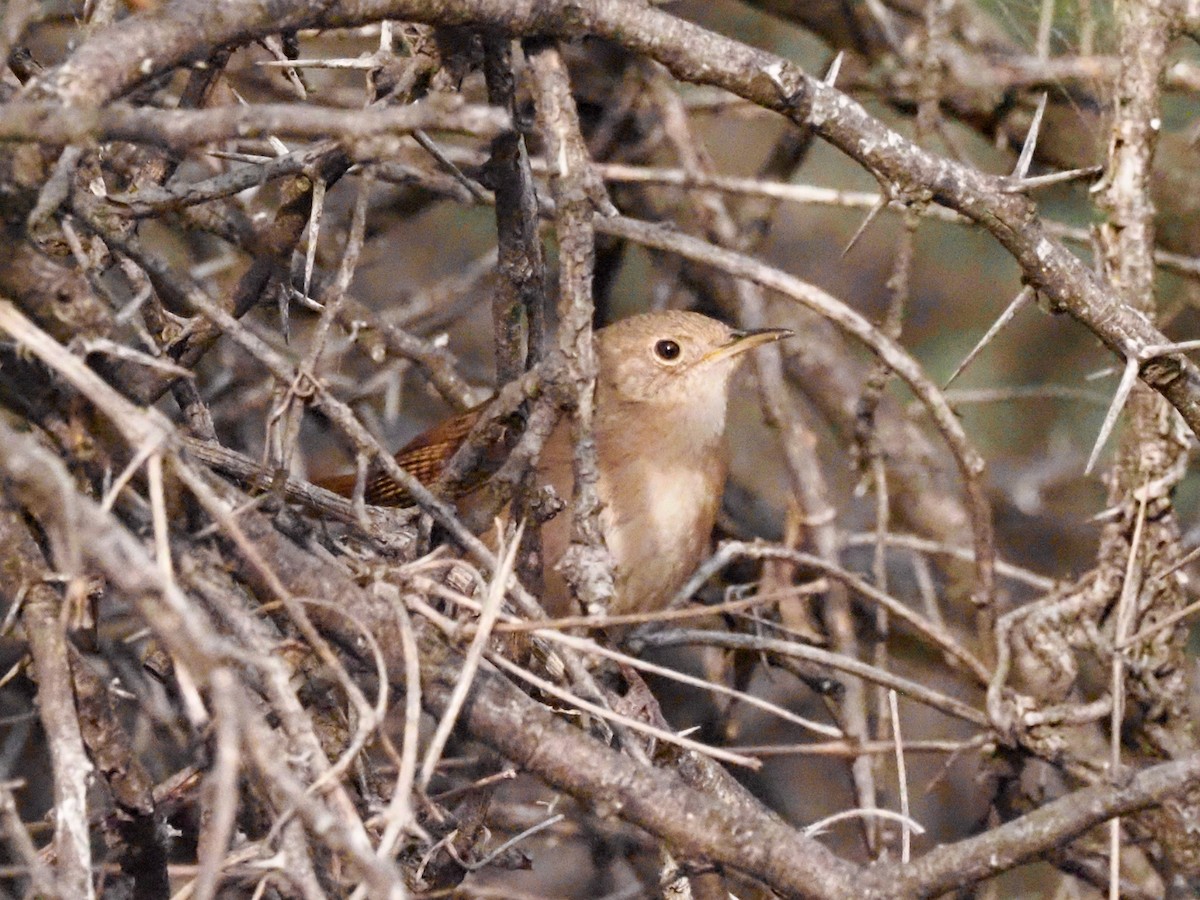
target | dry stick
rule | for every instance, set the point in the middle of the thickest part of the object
(601, 622)
(310, 251)
(731, 550)
(935, 548)
(901, 778)
(220, 797)
(399, 814)
(519, 304)
(1131, 585)
(41, 879)
(622, 724)
(822, 825)
(290, 408)
(854, 748)
(629, 722)
(378, 337)
(181, 130)
(871, 460)
(42, 623)
(153, 200)
(963, 397)
(1002, 847)
(752, 643)
(926, 589)
(587, 563)
(1148, 451)
(550, 633)
(490, 611)
(593, 648)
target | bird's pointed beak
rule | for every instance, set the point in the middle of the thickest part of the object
(741, 341)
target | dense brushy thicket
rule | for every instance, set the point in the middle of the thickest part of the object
(247, 243)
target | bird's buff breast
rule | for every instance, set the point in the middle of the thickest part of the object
(660, 539)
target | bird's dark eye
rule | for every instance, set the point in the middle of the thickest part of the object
(667, 350)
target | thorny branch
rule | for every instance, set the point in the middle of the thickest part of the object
(224, 240)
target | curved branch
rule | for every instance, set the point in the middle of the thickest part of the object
(1044, 829)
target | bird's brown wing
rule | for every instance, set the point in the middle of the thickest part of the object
(423, 457)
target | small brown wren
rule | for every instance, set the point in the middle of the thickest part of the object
(661, 395)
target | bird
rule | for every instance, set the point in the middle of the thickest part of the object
(662, 391)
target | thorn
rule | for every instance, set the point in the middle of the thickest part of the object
(874, 211)
(473, 187)
(1101, 373)
(277, 145)
(1022, 300)
(1188, 558)
(1154, 350)
(362, 62)
(1019, 185)
(284, 314)
(835, 67)
(253, 158)
(1031, 139)
(307, 302)
(314, 232)
(1128, 377)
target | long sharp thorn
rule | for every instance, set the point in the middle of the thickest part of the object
(875, 211)
(1021, 300)
(1031, 140)
(834, 68)
(1118, 403)
(314, 232)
